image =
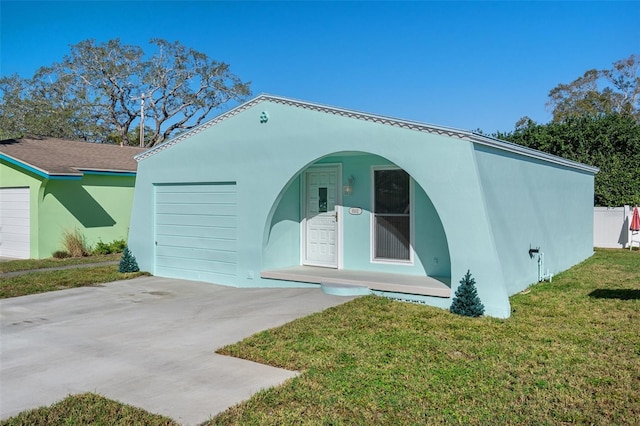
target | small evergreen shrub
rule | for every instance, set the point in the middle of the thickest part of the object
(128, 262)
(74, 243)
(466, 301)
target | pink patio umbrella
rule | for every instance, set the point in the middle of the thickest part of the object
(635, 220)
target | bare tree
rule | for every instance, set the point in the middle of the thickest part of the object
(102, 83)
(184, 86)
(26, 108)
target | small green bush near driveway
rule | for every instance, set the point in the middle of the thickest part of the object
(116, 246)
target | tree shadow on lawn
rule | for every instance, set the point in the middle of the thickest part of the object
(622, 294)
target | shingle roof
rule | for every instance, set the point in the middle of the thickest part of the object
(58, 157)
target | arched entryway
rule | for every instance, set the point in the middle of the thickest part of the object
(352, 216)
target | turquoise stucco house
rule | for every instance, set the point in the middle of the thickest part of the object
(280, 192)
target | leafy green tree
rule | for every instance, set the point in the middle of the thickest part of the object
(26, 108)
(600, 92)
(95, 93)
(610, 142)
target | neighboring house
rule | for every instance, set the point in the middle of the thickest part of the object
(49, 186)
(279, 192)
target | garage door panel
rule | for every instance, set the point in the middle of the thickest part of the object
(172, 262)
(196, 198)
(199, 254)
(14, 230)
(13, 212)
(15, 226)
(192, 220)
(195, 231)
(15, 248)
(197, 243)
(197, 209)
(21, 221)
(206, 188)
(14, 194)
(17, 245)
(189, 274)
(198, 231)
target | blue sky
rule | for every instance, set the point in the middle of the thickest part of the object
(468, 65)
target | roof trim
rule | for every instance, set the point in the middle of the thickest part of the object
(63, 176)
(529, 152)
(108, 172)
(37, 171)
(25, 166)
(405, 124)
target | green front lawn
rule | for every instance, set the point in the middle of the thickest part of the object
(28, 264)
(570, 353)
(41, 282)
(89, 409)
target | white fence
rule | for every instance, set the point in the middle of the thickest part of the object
(611, 226)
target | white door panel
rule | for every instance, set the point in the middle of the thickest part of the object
(15, 223)
(321, 193)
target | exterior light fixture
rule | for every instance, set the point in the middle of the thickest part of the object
(348, 188)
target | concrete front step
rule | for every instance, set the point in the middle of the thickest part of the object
(342, 289)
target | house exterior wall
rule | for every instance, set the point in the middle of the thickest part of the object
(281, 247)
(264, 158)
(468, 198)
(12, 176)
(534, 204)
(99, 206)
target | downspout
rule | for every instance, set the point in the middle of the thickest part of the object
(542, 276)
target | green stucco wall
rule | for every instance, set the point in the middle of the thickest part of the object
(457, 219)
(99, 206)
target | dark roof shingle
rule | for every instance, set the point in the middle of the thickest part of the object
(63, 157)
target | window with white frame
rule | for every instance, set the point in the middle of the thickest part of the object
(391, 215)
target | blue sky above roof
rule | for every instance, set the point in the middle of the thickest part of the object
(467, 65)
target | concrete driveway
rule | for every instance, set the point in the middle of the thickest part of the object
(148, 342)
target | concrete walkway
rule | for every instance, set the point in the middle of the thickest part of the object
(148, 342)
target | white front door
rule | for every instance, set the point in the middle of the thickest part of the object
(321, 217)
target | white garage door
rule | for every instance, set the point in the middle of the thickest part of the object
(195, 232)
(14, 223)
